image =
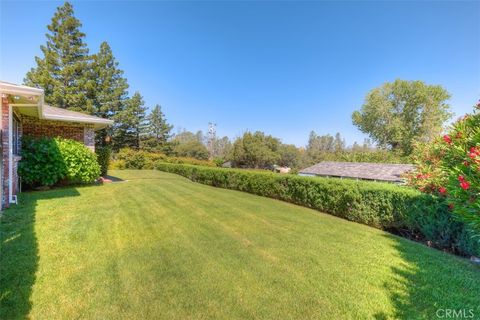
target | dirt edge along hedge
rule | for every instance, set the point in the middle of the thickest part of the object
(386, 206)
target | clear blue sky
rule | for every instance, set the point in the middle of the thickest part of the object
(281, 67)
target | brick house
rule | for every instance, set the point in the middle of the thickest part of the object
(23, 112)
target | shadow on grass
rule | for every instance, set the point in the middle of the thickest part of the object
(113, 178)
(19, 252)
(429, 282)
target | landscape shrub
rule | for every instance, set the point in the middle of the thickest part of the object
(117, 164)
(42, 162)
(47, 161)
(450, 168)
(391, 207)
(103, 156)
(80, 162)
(139, 159)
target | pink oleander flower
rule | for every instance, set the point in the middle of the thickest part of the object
(465, 185)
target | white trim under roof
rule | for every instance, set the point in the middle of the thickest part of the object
(51, 113)
(58, 114)
(15, 89)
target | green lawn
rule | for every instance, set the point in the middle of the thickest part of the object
(160, 246)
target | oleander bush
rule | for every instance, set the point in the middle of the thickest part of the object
(140, 159)
(48, 161)
(450, 168)
(390, 207)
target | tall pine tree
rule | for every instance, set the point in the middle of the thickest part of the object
(157, 130)
(109, 93)
(131, 123)
(63, 70)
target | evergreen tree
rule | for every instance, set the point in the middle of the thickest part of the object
(157, 130)
(131, 123)
(63, 70)
(109, 93)
(339, 143)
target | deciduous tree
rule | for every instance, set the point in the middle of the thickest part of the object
(397, 114)
(255, 150)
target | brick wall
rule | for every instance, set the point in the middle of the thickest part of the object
(89, 137)
(38, 128)
(4, 138)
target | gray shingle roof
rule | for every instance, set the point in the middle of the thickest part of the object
(359, 170)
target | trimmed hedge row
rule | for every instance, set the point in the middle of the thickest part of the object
(381, 205)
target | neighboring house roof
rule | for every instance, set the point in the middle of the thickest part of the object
(44, 111)
(359, 170)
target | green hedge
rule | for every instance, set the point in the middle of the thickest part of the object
(381, 205)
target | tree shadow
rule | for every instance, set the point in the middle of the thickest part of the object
(19, 252)
(429, 282)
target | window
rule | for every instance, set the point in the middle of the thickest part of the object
(15, 135)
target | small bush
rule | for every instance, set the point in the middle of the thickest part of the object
(381, 205)
(117, 164)
(47, 161)
(103, 156)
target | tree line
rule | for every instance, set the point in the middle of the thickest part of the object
(395, 116)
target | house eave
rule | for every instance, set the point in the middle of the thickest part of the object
(14, 89)
(97, 123)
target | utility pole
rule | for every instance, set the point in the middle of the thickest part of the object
(212, 138)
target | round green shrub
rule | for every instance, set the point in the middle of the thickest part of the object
(47, 161)
(42, 162)
(80, 162)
